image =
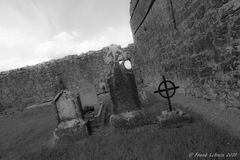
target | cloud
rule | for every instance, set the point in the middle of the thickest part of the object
(19, 49)
(15, 38)
(65, 37)
(61, 44)
(66, 43)
(11, 63)
(34, 31)
(16, 49)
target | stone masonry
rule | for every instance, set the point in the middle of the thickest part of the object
(22, 87)
(195, 43)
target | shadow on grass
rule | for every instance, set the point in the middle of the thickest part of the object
(146, 143)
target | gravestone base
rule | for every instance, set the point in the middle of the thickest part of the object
(168, 118)
(72, 130)
(132, 119)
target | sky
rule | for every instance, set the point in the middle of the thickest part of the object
(34, 31)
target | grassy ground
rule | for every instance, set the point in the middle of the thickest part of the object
(26, 132)
(27, 136)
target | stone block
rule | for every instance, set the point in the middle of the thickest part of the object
(133, 119)
(168, 118)
(71, 130)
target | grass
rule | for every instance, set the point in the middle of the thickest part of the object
(142, 143)
(146, 143)
(26, 132)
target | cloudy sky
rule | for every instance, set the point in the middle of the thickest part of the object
(33, 31)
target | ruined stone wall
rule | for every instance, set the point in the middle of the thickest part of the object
(36, 84)
(195, 43)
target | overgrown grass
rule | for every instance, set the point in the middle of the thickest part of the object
(24, 136)
(146, 143)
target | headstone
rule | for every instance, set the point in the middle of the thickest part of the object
(69, 115)
(166, 91)
(67, 106)
(88, 96)
(123, 90)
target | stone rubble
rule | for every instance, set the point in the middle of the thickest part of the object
(132, 119)
(74, 129)
(168, 118)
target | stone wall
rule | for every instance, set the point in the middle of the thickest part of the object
(195, 43)
(36, 84)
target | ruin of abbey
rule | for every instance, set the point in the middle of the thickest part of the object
(195, 43)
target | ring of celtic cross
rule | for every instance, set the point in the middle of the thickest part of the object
(166, 82)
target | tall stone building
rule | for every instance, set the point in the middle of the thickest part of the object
(195, 43)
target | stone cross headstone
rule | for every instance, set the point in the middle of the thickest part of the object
(166, 89)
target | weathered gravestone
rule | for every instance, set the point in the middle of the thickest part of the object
(88, 96)
(66, 106)
(124, 94)
(94, 111)
(121, 81)
(167, 89)
(69, 116)
(123, 90)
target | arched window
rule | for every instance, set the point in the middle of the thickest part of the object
(127, 64)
